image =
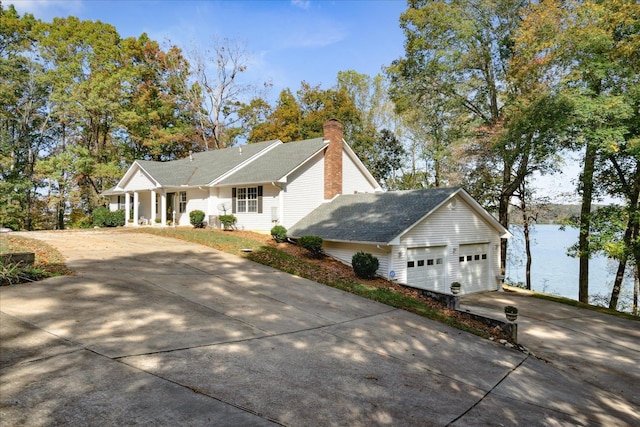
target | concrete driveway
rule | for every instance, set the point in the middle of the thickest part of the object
(160, 332)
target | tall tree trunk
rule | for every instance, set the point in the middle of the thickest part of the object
(636, 289)
(585, 221)
(527, 241)
(617, 283)
(503, 218)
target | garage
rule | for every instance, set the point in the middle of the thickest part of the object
(475, 267)
(426, 268)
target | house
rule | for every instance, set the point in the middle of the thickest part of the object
(422, 238)
(262, 184)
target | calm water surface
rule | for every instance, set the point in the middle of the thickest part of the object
(552, 271)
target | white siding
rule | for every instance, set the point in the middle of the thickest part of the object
(353, 180)
(251, 221)
(451, 227)
(304, 191)
(345, 251)
(139, 181)
(196, 200)
(113, 203)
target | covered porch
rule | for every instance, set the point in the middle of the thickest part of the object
(161, 207)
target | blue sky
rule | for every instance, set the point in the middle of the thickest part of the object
(289, 40)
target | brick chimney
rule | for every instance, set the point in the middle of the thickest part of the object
(332, 129)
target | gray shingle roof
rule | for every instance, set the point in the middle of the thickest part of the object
(277, 163)
(370, 217)
(204, 168)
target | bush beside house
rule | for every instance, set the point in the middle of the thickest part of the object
(196, 217)
(279, 233)
(365, 265)
(103, 217)
(313, 244)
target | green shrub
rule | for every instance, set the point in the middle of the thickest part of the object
(365, 265)
(313, 244)
(196, 218)
(100, 216)
(115, 218)
(279, 233)
(13, 273)
(103, 217)
(228, 221)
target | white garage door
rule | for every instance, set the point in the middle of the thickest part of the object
(425, 268)
(475, 267)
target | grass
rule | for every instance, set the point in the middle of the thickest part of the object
(224, 241)
(48, 261)
(574, 303)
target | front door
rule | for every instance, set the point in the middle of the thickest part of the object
(171, 206)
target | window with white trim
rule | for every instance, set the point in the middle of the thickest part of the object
(247, 199)
(182, 198)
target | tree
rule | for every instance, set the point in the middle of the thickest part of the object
(456, 69)
(159, 108)
(300, 116)
(217, 72)
(24, 121)
(588, 51)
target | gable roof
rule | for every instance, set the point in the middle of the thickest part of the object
(204, 167)
(378, 217)
(277, 163)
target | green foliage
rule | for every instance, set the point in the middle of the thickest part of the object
(300, 116)
(365, 265)
(103, 217)
(13, 273)
(196, 217)
(279, 233)
(313, 244)
(228, 221)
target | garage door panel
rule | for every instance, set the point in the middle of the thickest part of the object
(426, 268)
(475, 267)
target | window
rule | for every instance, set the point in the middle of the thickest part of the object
(476, 257)
(247, 199)
(421, 263)
(461, 259)
(469, 257)
(182, 198)
(121, 202)
(484, 256)
(439, 261)
(429, 262)
(411, 264)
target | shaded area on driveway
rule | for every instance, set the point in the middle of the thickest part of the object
(157, 331)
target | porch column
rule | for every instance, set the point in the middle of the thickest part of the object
(153, 207)
(136, 202)
(163, 207)
(127, 208)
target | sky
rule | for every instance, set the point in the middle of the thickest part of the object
(288, 40)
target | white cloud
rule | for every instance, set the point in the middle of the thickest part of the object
(302, 4)
(48, 9)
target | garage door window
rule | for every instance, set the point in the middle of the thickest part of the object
(410, 264)
(477, 257)
(420, 263)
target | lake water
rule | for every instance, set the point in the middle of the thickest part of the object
(552, 270)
